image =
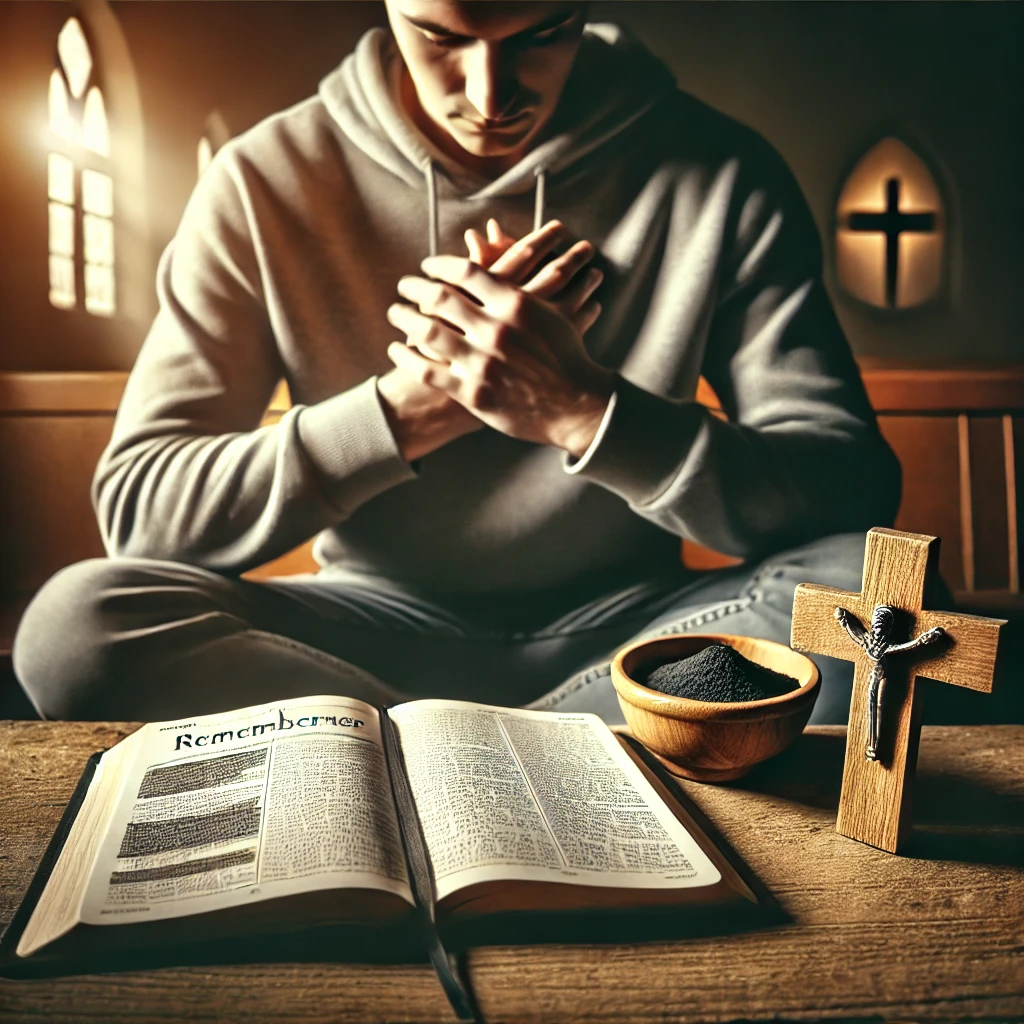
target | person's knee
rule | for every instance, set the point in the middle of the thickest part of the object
(91, 626)
(836, 561)
(60, 638)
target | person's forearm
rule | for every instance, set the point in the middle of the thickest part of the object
(737, 489)
(232, 500)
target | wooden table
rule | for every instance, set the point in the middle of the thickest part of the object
(934, 935)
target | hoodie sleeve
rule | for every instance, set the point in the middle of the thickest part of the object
(189, 474)
(801, 455)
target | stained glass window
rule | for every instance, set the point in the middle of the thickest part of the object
(80, 185)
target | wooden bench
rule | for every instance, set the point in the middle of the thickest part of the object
(959, 434)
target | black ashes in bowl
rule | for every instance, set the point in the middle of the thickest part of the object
(719, 673)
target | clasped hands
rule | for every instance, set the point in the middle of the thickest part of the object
(492, 340)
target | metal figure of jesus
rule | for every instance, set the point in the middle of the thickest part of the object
(876, 645)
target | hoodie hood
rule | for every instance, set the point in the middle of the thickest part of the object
(614, 81)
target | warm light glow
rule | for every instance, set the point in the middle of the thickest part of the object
(97, 193)
(862, 254)
(865, 187)
(62, 229)
(98, 236)
(62, 282)
(62, 124)
(204, 154)
(61, 179)
(74, 54)
(96, 259)
(921, 278)
(99, 290)
(95, 133)
(860, 265)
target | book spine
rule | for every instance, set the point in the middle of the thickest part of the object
(421, 874)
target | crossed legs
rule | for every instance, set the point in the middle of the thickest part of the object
(131, 639)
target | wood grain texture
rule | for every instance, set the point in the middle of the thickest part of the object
(1013, 447)
(919, 389)
(928, 450)
(46, 516)
(898, 568)
(932, 936)
(989, 504)
(93, 393)
(963, 436)
(896, 389)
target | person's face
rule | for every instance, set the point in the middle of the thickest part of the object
(488, 75)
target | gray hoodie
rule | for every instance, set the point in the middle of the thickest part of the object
(287, 257)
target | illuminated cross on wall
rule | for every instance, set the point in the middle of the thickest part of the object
(892, 223)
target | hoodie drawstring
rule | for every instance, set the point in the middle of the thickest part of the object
(433, 229)
(538, 198)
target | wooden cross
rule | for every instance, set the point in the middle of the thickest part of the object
(898, 571)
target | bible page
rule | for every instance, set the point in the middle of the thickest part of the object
(537, 795)
(268, 801)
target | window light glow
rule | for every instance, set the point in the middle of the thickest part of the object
(98, 236)
(99, 290)
(97, 193)
(62, 124)
(890, 229)
(62, 282)
(62, 230)
(75, 57)
(78, 117)
(95, 132)
(61, 179)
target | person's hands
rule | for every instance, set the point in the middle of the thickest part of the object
(424, 418)
(514, 360)
(562, 281)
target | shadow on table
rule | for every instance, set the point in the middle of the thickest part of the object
(960, 818)
(955, 817)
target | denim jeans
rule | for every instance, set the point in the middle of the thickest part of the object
(133, 639)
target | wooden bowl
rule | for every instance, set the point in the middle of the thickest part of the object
(706, 740)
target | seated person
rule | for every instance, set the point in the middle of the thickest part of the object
(499, 498)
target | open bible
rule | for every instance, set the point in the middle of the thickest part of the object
(216, 837)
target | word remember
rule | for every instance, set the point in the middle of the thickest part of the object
(187, 739)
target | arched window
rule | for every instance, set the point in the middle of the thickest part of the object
(891, 229)
(80, 181)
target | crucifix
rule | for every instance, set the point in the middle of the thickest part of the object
(891, 638)
(892, 222)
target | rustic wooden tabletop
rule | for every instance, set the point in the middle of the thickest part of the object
(936, 934)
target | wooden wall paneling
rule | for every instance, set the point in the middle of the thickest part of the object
(1015, 495)
(988, 489)
(963, 456)
(46, 517)
(928, 448)
(896, 389)
(85, 393)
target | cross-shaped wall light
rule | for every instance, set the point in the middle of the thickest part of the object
(892, 223)
(890, 229)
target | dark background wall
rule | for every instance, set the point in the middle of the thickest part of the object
(822, 81)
